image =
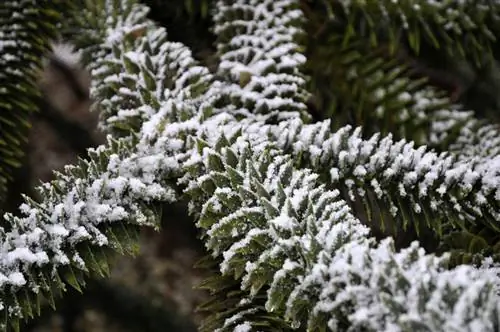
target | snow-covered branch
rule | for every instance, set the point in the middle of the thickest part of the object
(278, 227)
(263, 183)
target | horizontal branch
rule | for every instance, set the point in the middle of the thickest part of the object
(278, 227)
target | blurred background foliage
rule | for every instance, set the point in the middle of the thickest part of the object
(156, 290)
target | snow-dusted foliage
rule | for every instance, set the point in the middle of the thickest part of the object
(414, 184)
(273, 194)
(477, 141)
(88, 208)
(21, 46)
(133, 65)
(259, 59)
(410, 180)
(275, 226)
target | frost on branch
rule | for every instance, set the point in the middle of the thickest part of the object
(412, 184)
(134, 82)
(98, 204)
(278, 228)
(409, 180)
(259, 56)
(87, 208)
(133, 65)
(478, 141)
(355, 82)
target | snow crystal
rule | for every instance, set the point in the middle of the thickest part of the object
(245, 327)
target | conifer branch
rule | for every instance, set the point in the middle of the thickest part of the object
(266, 192)
(358, 84)
(26, 28)
(477, 140)
(461, 28)
(277, 226)
(412, 183)
(89, 207)
(260, 59)
(408, 184)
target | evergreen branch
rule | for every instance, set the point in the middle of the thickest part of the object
(260, 60)
(414, 184)
(26, 28)
(110, 59)
(446, 127)
(362, 85)
(395, 183)
(142, 81)
(98, 203)
(477, 140)
(214, 96)
(355, 85)
(146, 83)
(99, 23)
(463, 28)
(275, 226)
(416, 200)
(89, 207)
(131, 86)
(133, 65)
(471, 247)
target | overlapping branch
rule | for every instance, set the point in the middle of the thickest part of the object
(266, 192)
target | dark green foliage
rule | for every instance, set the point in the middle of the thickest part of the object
(278, 231)
(226, 300)
(471, 246)
(359, 76)
(355, 85)
(424, 62)
(26, 29)
(466, 28)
